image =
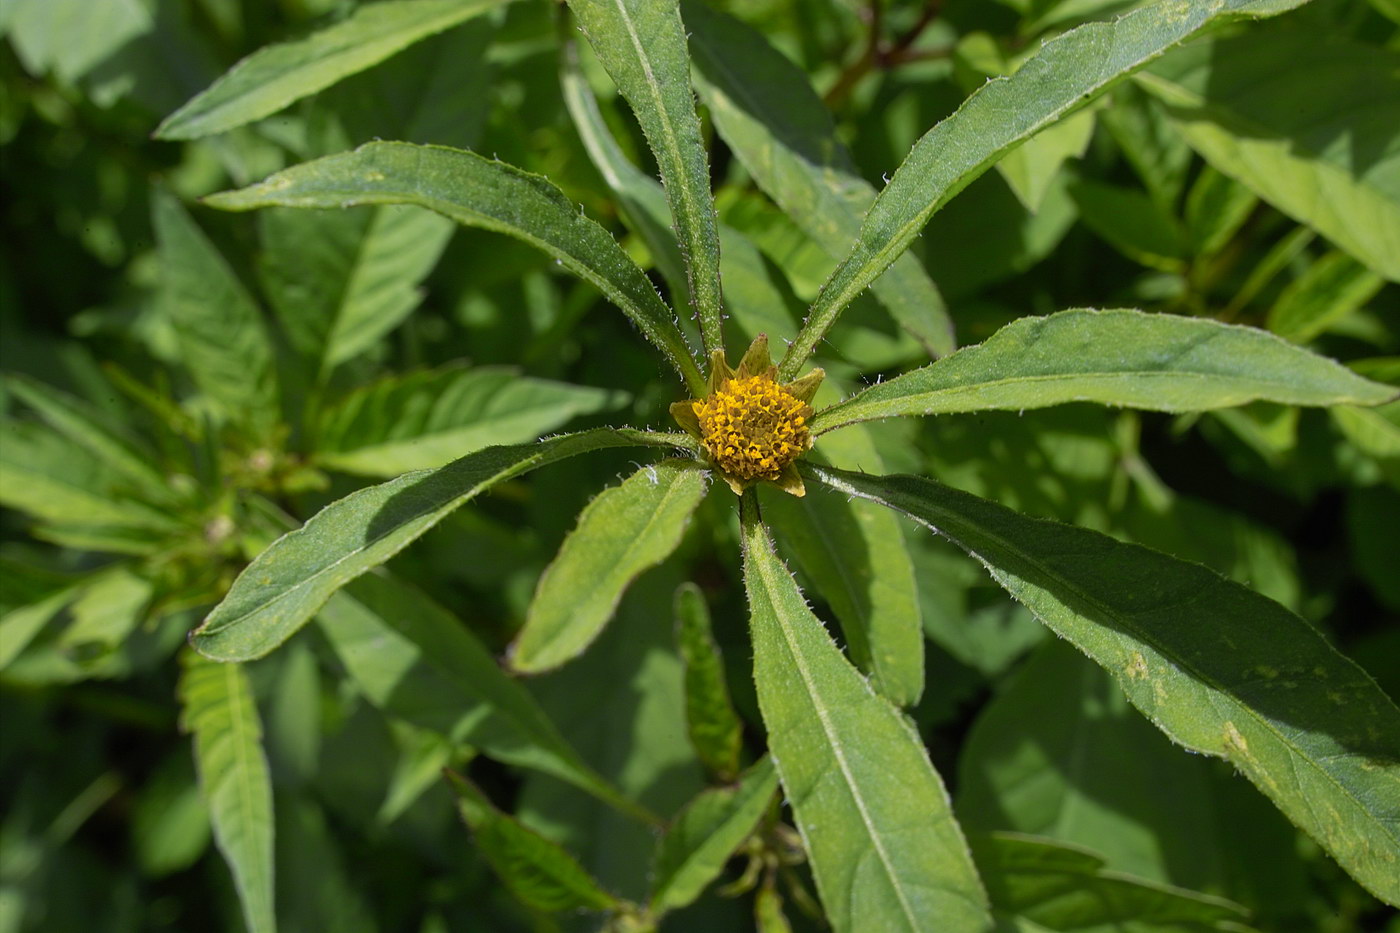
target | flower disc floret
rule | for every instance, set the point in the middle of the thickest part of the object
(753, 427)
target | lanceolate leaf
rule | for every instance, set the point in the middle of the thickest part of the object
(1217, 667)
(769, 115)
(223, 342)
(287, 583)
(414, 660)
(218, 709)
(1159, 362)
(884, 848)
(622, 532)
(705, 835)
(55, 479)
(1065, 888)
(715, 730)
(85, 425)
(423, 420)
(538, 872)
(275, 76)
(854, 555)
(1067, 72)
(482, 193)
(642, 45)
(640, 197)
(1325, 158)
(341, 280)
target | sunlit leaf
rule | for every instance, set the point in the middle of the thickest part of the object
(287, 583)
(767, 112)
(883, 844)
(218, 709)
(622, 532)
(1159, 362)
(425, 419)
(704, 836)
(1319, 145)
(482, 193)
(275, 76)
(642, 44)
(1067, 72)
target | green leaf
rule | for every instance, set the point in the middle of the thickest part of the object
(87, 426)
(286, 584)
(640, 197)
(1159, 362)
(71, 38)
(1059, 752)
(642, 45)
(1217, 667)
(1318, 146)
(1216, 208)
(169, 822)
(1130, 221)
(706, 834)
(223, 343)
(275, 76)
(218, 709)
(854, 556)
(751, 296)
(414, 660)
(1067, 72)
(21, 625)
(478, 192)
(106, 611)
(541, 874)
(1066, 888)
(341, 280)
(769, 115)
(621, 533)
(1331, 288)
(883, 844)
(714, 727)
(425, 419)
(52, 478)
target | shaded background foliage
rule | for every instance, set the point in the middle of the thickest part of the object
(1112, 207)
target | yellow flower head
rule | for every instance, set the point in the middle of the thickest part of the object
(752, 427)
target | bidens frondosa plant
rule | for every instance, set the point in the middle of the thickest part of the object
(1219, 668)
(753, 429)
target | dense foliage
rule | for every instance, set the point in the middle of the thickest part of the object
(363, 568)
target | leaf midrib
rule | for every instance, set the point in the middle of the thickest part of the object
(970, 388)
(765, 570)
(335, 53)
(242, 737)
(675, 155)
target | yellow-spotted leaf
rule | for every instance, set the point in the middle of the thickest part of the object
(1219, 668)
